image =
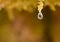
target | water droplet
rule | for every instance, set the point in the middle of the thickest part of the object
(40, 16)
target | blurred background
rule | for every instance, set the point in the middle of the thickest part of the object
(19, 22)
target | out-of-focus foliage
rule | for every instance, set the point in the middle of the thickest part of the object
(51, 3)
(27, 5)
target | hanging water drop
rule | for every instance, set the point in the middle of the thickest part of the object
(40, 16)
(40, 7)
